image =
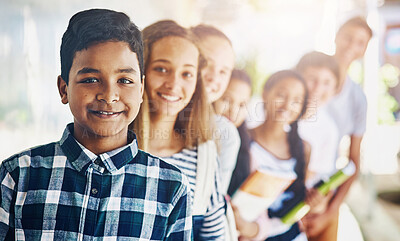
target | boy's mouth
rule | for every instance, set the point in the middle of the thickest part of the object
(105, 114)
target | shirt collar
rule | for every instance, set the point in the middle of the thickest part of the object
(81, 157)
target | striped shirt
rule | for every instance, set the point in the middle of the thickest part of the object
(63, 191)
(213, 224)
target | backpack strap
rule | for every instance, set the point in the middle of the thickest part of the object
(205, 176)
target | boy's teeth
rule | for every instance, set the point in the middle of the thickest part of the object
(170, 98)
(106, 113)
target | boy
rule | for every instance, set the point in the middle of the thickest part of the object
(94, 183)
(317, 127)
(321, 73)
(348, 109)
(217, 49)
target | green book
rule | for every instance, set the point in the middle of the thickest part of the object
(334, 181)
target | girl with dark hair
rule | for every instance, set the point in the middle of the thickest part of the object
(276, 146)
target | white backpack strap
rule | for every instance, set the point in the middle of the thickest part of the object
(231, 233)
(205, 176)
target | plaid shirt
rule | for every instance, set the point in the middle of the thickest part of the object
(63, 191)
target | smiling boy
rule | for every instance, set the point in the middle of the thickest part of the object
(95, 183)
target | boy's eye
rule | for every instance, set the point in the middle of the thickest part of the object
(125, 81)
(89, 80)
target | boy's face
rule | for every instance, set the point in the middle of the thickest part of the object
(233, 102)
(104, 90)
(321, 84)
(220, 62)
(351, 43)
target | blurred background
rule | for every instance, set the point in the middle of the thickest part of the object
(267, 35)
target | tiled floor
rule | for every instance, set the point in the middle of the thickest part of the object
(378, 219)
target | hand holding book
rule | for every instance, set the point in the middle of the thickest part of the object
(258, 192)
(323, 187)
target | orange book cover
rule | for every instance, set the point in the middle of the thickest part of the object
(258, 192)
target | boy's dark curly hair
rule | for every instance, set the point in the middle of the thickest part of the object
(94, 26)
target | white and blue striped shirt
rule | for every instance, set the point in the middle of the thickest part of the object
(213, 224)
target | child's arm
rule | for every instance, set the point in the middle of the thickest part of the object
(342, 191)
(180, 220)
(7, 202)
(246, 229)
(318, 222)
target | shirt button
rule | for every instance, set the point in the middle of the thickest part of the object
(94, 191)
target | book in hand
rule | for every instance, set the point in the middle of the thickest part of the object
(258, 192)
(323, 186)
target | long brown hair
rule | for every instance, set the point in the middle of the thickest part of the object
(195, 121)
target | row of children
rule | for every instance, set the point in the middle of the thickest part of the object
(307, 112)
(131, 97)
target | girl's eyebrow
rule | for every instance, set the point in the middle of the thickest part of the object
(167, 61)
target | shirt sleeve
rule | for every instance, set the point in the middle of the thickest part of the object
(360, 112)
(229, 144)
(180, 219)
(213, 227)
(7, 202)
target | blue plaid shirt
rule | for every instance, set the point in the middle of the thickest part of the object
(63, 191)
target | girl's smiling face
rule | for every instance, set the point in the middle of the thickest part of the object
(233, 102)
(220, 62)
(171, 75)
(284, 101)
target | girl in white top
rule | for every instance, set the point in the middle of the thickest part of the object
(277, 146)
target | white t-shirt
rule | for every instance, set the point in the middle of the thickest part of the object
(321, 132)
(229, 144)
(263, 159)
(349, 110)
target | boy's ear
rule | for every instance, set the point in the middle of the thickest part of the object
(62, 89)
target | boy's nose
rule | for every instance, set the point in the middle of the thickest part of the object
(108, 95)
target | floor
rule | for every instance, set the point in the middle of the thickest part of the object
(378, 219)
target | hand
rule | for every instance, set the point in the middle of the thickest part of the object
(245, 228)
(317, 202)
(315, 223)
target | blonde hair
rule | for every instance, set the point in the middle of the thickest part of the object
(195, 122)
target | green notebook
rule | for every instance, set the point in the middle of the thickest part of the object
(334, 181)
